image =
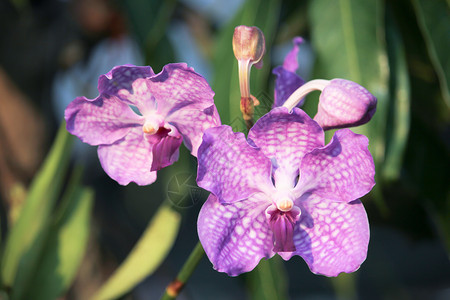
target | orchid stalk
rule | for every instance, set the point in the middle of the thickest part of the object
(248, 48)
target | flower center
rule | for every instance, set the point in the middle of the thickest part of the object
(282, 224)
(152, 124)
(285, 204)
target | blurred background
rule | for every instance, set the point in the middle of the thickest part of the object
(80, 225)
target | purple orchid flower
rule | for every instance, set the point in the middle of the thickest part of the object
(283, 191)
(174, 106)
(342, 103)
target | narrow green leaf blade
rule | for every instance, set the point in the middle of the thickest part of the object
(347, 35)
(434, 22)
(27, 231)
(146, 256)
(64, 248)
(269, 280)
(399, 103)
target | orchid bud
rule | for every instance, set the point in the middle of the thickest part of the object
(342, 103)
(249, 45)
(248, 48)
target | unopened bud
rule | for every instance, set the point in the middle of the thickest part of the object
(248, 47)
(249, 44)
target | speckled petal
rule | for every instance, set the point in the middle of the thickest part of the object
(235, 236)
(344, 103)
(287, 137)
(229, 167)
(102, 120)
(332, 237)
(287, 81)
(343, 170)
(191, 123)
(178, 86)
(122, 77)
(129, 159)
(140, 96)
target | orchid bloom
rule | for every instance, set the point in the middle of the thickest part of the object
(140, 119)
(342, 103)
(283, 191)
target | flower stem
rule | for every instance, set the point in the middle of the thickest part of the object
(313, 85)
(174, 288)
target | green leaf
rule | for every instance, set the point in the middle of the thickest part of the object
(149, 21)
(26, 236)
(264, 15)
(65, 247)
(434, 22)
(347, 35)
(146, 256)
(269, 280)
(344, 286)
(399, 103)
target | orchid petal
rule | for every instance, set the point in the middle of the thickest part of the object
(343, 170)
(287, 81)
(165, 147)
(344, 103)
(291, 60)
(286, 137)
(101, 120)
(191, 123)
(332, 237)
(128, 159)
(178, 86)
(122, 77)
(229, 167)
(140, 96)
(235, 236)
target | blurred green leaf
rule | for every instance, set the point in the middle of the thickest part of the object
(399, 102)
(434, 22)
(146, 256)
(347, 35)
(149, 20)
(26, 236)
(269, 280)
(65, 247)
(264, 15)
(344, 286)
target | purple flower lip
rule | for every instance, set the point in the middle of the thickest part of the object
(282, 224)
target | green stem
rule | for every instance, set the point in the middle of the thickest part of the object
(174, 288)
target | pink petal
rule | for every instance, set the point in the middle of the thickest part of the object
(286, 137)
(287, 81)
(103, 120)
(291, 60)
(343, 170)
(235, 236)
(122, 77)
(332, 237)
(192, 123)
(178, 86)
(229, 167)
(129, 159)
(344, 103)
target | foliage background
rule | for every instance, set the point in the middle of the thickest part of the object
(81, 225)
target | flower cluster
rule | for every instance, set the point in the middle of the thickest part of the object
(280, 191)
